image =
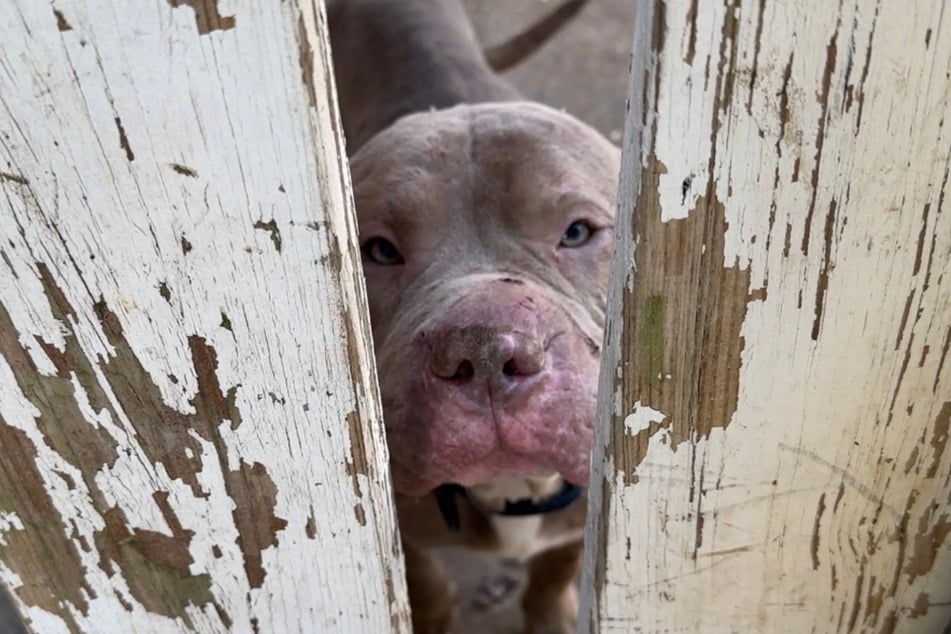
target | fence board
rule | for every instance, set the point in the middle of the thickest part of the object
(776, 387)
(190, 431)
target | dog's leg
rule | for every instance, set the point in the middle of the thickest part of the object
(430, 592)
(550, 602)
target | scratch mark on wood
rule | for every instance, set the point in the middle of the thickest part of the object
(184, 170)
(757, 40)
(904, 318)
(14, 178)
(831, 51)
(124, 140)
(814, 545)
(847, 478)
(822, 285)
(921, 238)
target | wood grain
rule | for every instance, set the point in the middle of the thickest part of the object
(190, 430)
(776, 390)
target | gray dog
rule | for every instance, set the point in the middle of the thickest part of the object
(486, 227)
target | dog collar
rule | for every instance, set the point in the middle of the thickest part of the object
(446, 500)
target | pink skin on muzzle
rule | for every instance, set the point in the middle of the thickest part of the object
(486, 319)
(503, 384)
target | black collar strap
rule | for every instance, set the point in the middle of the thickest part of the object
(446, 500)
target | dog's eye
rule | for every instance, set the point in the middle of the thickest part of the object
(381, 251)
(576, 234)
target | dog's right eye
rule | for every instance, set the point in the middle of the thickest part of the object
(381, 251)
(576, 235)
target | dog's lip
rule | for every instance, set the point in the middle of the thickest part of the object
(504, 461)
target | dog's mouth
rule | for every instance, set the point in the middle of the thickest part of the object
(447, 496)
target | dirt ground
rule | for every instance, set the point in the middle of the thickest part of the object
(584, 70)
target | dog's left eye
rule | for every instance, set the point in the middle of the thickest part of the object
(576, 234)
(381, 251)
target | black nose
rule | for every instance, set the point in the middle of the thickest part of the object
(485, 353)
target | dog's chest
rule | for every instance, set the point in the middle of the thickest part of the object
(524, 537)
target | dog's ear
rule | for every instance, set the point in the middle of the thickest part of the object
(514, 50)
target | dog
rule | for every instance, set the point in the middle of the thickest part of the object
(486, 226)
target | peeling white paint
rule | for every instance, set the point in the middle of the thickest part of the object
(231, 106)
(682, 141)
(641, 418)
(9, 522)
(826, 494)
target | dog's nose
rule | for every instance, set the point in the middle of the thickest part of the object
(480, 354)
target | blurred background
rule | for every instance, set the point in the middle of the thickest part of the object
(582, 69)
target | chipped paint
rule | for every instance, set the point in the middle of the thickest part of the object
(271, 227)
(166, 392)
(785, 176)
(208, 16)
(61, 23)
(641, 419)
(184, 170)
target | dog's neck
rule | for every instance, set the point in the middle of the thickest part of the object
(396, 58)
(508, 497)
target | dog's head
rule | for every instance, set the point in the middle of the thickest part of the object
(486, 233)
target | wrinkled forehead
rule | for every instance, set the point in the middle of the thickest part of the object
(510, 149)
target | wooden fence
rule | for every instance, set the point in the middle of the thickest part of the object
(191, 433)
(776, 387)
(190, 430)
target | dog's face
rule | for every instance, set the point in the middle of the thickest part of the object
(486, 234)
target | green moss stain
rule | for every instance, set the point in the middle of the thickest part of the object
(652, 339)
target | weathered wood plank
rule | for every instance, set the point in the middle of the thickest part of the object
(776, 387)
(190, 432)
